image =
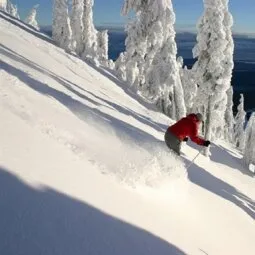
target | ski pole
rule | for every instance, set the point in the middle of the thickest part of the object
(194, 159)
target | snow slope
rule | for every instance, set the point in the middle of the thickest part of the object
(84, 169)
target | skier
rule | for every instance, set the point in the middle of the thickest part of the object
(181, 130)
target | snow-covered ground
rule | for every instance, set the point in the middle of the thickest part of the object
(84, 169)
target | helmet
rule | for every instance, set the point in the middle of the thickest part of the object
(200, 117)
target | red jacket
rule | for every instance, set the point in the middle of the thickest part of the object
(187, 127)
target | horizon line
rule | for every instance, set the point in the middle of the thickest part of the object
(250, 35)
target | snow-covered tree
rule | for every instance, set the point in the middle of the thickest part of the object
(31, 18)
(189, 85)
(12, 9)
(163, 76)
(229, 117)
(102, 46)
(165, 82)
(218, 124)
(111, 64)
(132, 72)
(88, 43)
(76, 20)
(120, 67)
(143, 34)
(214, 50)
(151, 65)
(61, 28)
(249, 150)
(240, 119)
(3, 5)
(228, 65)
(228, 61)
(89, 33)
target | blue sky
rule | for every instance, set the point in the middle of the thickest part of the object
(107, 12)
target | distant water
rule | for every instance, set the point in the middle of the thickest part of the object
(244, 47)
(243, 79)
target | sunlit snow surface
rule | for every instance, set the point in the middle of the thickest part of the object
(84, 169)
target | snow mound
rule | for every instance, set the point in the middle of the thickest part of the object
(148, 165)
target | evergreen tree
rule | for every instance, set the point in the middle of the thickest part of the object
(145, 36)
(213, 68)
(136, 41)
(151, 50)
(189, 85)
(61, 28)
(249, 150)
(3, 5)
(12, 9)
(163, 76)
(76, 21)
(89, 51)
(240, 119)
(102, 42)
(120, 67)
(227, 65)
(229, 117)
(31, 18)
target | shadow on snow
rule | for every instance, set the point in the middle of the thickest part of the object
(47, 222)
(224, 156)
(206, 180)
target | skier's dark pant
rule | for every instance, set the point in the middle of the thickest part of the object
(173, 142)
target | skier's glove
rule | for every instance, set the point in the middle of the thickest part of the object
(185, 139)
(207, 143)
